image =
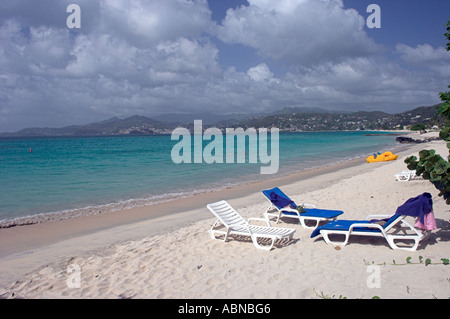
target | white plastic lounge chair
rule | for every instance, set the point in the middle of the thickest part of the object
(234, 224)
(310, 214)
(390, 231)
(406, 175)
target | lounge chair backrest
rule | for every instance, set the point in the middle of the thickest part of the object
(227, 215)
(277, 191)
(389, 223)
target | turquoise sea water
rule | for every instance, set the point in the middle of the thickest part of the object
(85, 175)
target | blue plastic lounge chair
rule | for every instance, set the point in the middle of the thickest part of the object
(230, 222)
(395, 228)
(282, 206)
(390, 231)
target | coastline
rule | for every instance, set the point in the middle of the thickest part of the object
(31, 236)
(126, 204)
(35, 231)
(27, 248)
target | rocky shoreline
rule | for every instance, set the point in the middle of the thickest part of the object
(409, 140)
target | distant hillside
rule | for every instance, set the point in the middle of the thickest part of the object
(292, 110)
(207, 118)
(287, 119)
(134, 125)
(307, 121)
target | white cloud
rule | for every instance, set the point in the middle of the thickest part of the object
(424, 55)
(145, 23)
(127, 63)
(188, 57)
(365, 83)
(41, 48)
(260, 72)
(303, 32)
(151, 57)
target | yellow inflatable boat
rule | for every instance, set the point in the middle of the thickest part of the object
(386, 156)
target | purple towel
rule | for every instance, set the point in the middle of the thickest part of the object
(417, 206)
(280, 201)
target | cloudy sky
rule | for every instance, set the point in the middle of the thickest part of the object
(149, 57)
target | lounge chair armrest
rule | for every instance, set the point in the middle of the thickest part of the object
(289, 209)
(260, 219)
(366, 225)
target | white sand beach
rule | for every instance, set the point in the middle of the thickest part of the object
(173, 256)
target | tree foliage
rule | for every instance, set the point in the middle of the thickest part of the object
(418, 127)
(432, 166)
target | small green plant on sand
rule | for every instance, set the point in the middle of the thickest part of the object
(426, 262)
(323, 296)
